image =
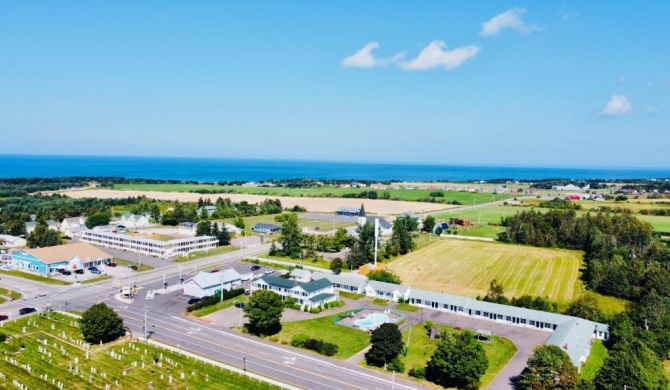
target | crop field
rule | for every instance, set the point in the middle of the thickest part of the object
(467, 267)
(324, 191)
(43, 351)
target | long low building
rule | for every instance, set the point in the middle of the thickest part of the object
(148, 246)
(210, 283)
(45, 261)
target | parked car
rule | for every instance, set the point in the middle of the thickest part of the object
(213, 271)
(255, 267)
(132, 267)
(26, 310)
(79, 271)
(4, 317)
(111, 265)
(63, 271)
(193, 301)
(239, 305)
(94, 270)
(316, 228)
(269, 271)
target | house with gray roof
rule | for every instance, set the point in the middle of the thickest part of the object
(389, 291)
(210, 283)
(350, 282)
(306, 294)
(51, 224)
(301, 275)
(266, 228)
(209, 208)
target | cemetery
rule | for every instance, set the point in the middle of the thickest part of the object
(47, 351)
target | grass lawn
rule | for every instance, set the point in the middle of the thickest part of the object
(350, 295)
(407, 307)
(350, 341)
(666, 368)
(95, 280)
(499, 351)
(594, 361)
(126, 263)
(378, 301)
(321, 263)
(219, 306)
(200, 254)
(467, 267)
(36, 278)
(60, 353)
(10, 293)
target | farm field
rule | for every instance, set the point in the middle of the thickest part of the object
(492, 214)
(322, 205)
(51, 350)
(324, 191)
(322, 225)
(467, 267)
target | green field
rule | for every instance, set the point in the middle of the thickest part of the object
(467, 267)
(323, 191)
(492, 214)
(499, 351)
(350, 341)
(47, 352)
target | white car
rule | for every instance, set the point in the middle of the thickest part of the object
(269, 271)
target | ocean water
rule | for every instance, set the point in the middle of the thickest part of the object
(211, 169)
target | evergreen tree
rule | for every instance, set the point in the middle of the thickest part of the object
(223, 236)
(203, 228)
(386, 343)
(290, 237)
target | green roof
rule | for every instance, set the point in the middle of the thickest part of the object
(315, 285)
(321, 297)
(277, 281)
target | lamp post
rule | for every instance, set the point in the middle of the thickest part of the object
(221, 291)
(181, 280)
(244, 362)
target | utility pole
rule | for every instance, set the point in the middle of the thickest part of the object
(393, 384)
(145, 322)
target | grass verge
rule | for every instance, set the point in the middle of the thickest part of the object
(126, 263)
(350, 295)
(350, 341)
(95, 280)
(219, 306)
(407, 307)
(200, 254)
(594, 361)
(35, 278)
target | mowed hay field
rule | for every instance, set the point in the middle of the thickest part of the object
(466, 268)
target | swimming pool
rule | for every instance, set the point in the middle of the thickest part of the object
(371, 320)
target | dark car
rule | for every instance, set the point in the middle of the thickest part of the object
(63, 271)
(255, 267)
(132, 267)
(111, 265)
(26, 310)
(94, 270)
(239, 305)
(4, 317)
(213, 271)
(193, 301)
(79, 271)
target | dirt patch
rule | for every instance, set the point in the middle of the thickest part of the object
(321, 205)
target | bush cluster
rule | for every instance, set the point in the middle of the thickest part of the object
(320, 346)
(214, 299)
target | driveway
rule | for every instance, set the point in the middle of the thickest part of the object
(525, 339)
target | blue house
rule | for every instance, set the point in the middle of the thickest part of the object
(266, 228)
(45, 261)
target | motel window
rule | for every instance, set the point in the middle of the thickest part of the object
(477, 312)
(532, 322)
(418, 301)
(508, 318)
(523, 320)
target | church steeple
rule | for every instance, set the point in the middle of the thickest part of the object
(362, 212)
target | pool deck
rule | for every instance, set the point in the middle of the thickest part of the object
(350, 321)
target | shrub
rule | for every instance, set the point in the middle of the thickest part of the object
(3, 337)
(418, 372)
(313, 344)
(315, 310)
(328, 349)
(396, 365)
(274, 339)
(299, 340)
(289, 302)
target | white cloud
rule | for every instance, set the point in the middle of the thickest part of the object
(434, 55)
(618, 105)
(364, 58)
(508, 19)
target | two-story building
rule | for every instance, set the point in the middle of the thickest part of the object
(306, 294)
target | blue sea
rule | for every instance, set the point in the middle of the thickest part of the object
(213, 170)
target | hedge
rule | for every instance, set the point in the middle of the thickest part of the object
(213, 300)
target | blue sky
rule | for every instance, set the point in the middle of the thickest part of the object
(494, 83)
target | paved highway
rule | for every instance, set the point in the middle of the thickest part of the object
(165, 323)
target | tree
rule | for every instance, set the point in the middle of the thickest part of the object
(223, 236)
(98, 219)
(363, 250)
(204, 215)
(496, 293)
(169, 219)
(15, 227)
(203, 228)
(429, 224)
(548, 368)
(155, 212)
(290, 237)
(386, 343)
(585, 307)
(100, 323)
(336, 265)
(215, 230)
(383, 275)
(459, 361)
(264, 311)
(239, 222)
(633, 364)
(401, 239)
(43, 237)
(342, 239)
